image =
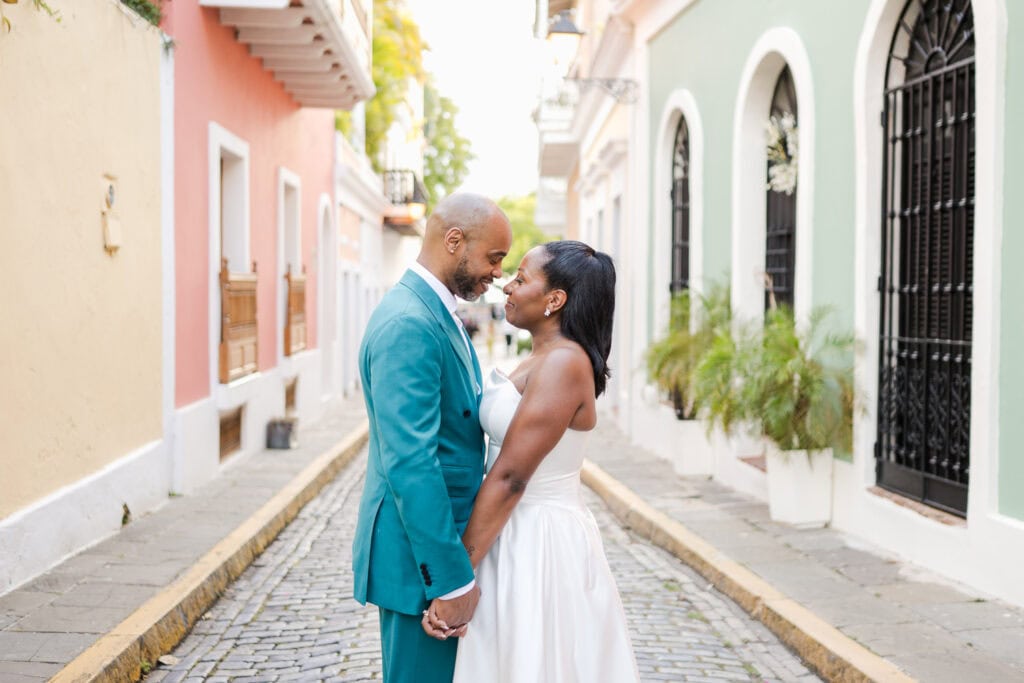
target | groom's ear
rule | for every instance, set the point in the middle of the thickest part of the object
(453, 237)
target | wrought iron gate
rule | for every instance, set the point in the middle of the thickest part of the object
(924, 403)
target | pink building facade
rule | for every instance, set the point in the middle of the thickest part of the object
(255, 89)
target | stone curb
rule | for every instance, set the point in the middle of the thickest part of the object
(833, 655)
(162, 621)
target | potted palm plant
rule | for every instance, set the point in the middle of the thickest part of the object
(672, 362)
(792, 386)
(671, 359)
(798, 389)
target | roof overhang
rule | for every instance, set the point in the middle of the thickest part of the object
(315, 52)
(559, 152)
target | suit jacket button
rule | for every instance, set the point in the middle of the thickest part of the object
(466, 413)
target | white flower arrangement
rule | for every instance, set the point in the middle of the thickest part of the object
(782, 149)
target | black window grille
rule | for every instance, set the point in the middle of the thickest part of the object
(680, 253)
(680, 209)
(924, 402)
(780, 219)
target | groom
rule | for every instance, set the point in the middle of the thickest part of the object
(422, 382)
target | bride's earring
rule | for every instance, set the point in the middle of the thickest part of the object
(547, 312)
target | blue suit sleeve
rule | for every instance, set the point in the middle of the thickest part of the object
(405, 367)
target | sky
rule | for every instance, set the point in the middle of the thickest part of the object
(485, 59)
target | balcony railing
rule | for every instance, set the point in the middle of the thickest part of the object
(403, 187)
(295, 314)
(238, 329)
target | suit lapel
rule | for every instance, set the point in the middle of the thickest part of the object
(477, 374)
(441, 314)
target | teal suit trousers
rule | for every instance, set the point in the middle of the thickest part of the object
(410, 655)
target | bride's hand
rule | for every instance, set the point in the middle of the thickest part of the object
(435, 627)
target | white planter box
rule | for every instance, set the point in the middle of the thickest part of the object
(799, 487)
(693, 453)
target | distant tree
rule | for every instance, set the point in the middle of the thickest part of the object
(525, 233)
(397, 57)
(447, 156)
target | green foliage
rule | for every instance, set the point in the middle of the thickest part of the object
(343, 122)
(40, 5)
(525, 233)
(447, 155)
(798, 383)
(792, 384)
(672, 361)
(524, 344)
(397, 58)
(146, 9)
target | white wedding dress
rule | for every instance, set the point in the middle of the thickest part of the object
(549, 609)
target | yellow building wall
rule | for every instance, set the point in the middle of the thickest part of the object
(80, 337)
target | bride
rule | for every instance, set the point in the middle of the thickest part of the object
(549, 609)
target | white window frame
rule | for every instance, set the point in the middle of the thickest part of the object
(990, 24)
(680, 104)
(289, 244)
(775, 49)
(222, 142)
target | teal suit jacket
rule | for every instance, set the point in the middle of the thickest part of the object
(426, 451)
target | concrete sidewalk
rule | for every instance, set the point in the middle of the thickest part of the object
(129, 599)
(849, 611)
(841, 604)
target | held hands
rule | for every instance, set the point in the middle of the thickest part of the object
(448, 618)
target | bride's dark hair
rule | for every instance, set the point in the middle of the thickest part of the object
(588, 278)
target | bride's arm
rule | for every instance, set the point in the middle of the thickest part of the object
(554, 393)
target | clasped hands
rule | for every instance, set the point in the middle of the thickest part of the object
(450, 618)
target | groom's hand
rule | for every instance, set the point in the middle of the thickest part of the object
(447, 618)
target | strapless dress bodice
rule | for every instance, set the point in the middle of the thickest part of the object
(557, 479)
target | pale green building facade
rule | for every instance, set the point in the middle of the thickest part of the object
(939, 482)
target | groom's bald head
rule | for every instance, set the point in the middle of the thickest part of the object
(466, 238)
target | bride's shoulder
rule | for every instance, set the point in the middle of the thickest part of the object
(566, 362)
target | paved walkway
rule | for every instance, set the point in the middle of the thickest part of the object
(291, 617)
(102, 613)
(931, 629)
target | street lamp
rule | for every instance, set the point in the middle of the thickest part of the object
(563, 29)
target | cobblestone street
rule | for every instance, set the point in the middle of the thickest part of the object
(291, 617)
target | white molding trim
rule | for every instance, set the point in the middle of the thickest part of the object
(221, 139)
(603, 166)
(775, 49)
(996, 539)
(680, 104)
(327, 281)
(286, 178)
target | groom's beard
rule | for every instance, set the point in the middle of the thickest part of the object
(466, 286)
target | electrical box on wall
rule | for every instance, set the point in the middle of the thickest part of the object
(109, 218)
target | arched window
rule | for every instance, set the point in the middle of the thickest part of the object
(924, 403)
(680, 209)
(780, 223)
